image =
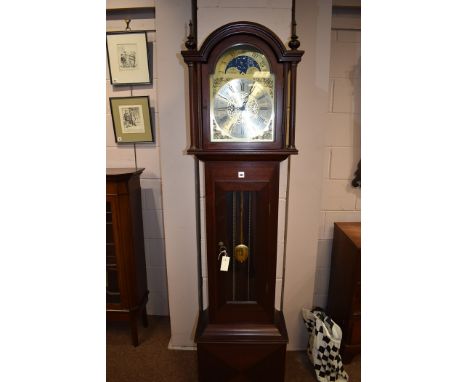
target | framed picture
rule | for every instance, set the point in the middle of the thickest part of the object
(127, 55)
(131, 119)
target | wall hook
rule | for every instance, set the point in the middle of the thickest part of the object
(128, 21)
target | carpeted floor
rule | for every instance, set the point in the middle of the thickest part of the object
(152, 361)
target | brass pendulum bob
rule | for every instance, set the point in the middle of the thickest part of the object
(241, 251)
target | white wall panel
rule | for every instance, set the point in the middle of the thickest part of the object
(121, 156)
(177, 170)
(148, 156)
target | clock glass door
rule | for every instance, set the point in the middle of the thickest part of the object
(242, 97)
(112, 279)
(242, 221)
(240, 232)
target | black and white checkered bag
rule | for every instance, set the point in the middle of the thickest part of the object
(324, 346)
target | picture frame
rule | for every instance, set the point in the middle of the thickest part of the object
(127, 57)
(131, 119)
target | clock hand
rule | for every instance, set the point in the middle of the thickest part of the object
(231, 124)
(246, 98)
(248, 95)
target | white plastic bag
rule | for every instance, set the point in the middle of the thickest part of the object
(324, 346)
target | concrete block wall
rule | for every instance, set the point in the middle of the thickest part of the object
(143, 155)
(342, 152)
(274, 14)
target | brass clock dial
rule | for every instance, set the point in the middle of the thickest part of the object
(242, 107)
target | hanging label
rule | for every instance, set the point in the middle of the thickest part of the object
(225, 263)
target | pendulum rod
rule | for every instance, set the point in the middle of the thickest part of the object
(234, 218)
(250, 246)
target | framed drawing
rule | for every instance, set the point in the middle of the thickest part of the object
(127, 55)
(131, 119)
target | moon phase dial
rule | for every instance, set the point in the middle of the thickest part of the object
(243, 111)
(242, 61)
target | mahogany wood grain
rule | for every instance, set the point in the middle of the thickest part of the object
(193, 111)
(263, 179)
(344, 293)
(292, 107)
(124, 199)
(241, 352)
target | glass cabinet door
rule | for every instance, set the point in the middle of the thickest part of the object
(112, 279)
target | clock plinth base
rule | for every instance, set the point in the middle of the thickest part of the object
(241, 352)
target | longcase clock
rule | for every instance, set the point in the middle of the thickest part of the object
(242, 84)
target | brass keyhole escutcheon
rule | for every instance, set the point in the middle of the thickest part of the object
(241, 251)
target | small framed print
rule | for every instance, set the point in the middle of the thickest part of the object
(127, 55)
(131, 119)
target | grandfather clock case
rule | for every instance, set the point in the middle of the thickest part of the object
(242, 84)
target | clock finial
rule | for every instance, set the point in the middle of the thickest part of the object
(294, 43)
(190, 43)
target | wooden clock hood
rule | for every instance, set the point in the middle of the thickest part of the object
(284, 66)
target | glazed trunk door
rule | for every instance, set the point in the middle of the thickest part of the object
(244, 225)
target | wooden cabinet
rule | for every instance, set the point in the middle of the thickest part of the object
(344, 293)
(126, 285)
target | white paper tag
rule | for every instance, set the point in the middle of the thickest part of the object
(225, 263)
